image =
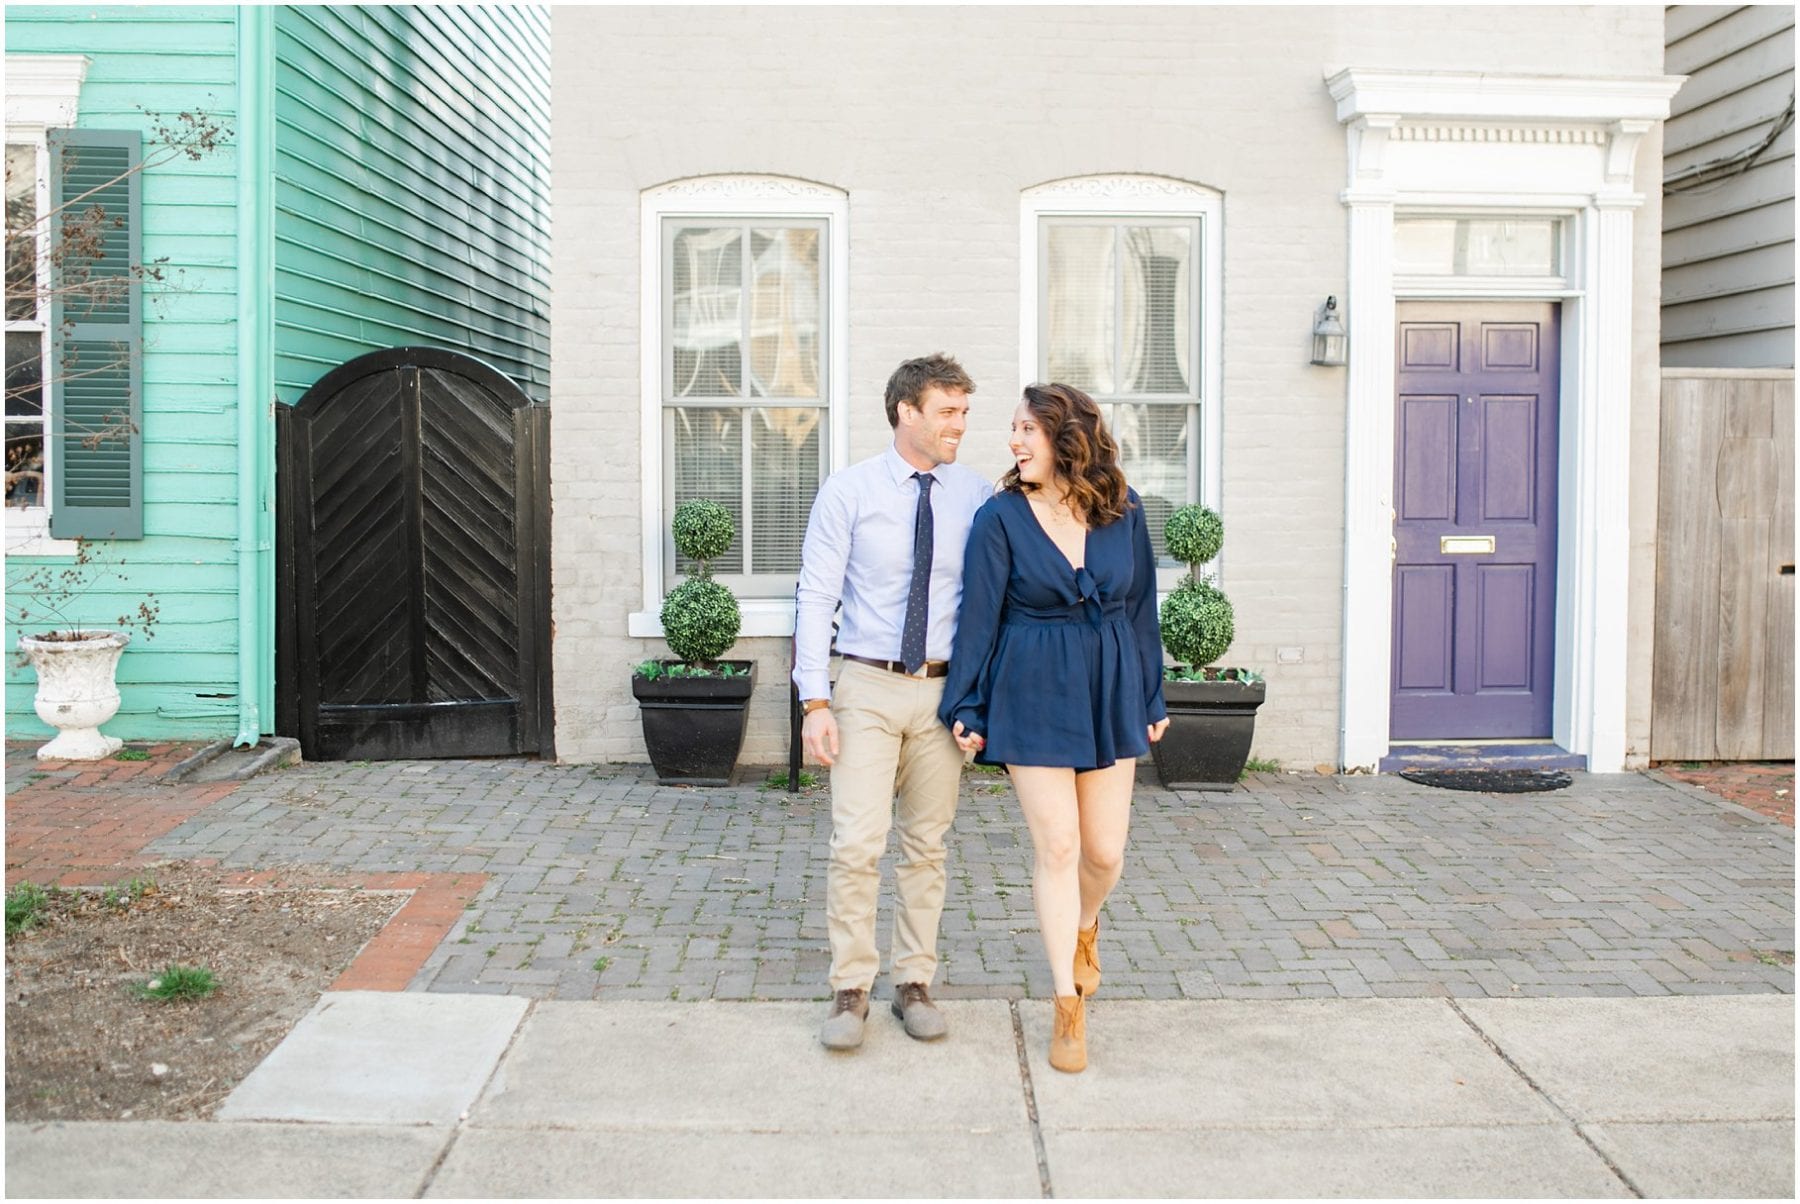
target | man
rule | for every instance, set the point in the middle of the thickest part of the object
(885, 542)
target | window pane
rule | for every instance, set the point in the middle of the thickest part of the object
(784, 313)
(708, 450)
(25, 464)
(1477, 247)
(706, 329)
(1153, 451)
(21, 235)
(784, 476)
(24, 373)
(1157, 314)
(1078, 307)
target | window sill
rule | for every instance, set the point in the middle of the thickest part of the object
(28, 534)
(763, 618)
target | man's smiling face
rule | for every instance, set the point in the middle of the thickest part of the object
(930, 432)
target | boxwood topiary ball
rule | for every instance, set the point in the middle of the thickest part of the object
(702, 529)
(1194, 534)
(1197, 623)
(700, 619)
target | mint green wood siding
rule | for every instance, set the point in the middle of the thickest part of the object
(412, 187)
(166, 59)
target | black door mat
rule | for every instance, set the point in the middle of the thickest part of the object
(1496, 781)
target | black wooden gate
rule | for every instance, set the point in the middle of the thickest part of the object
(414, 601)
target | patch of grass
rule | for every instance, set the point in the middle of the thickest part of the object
(179, 982)
(988, 769)
(778, 780)
(600, 964)
(1262, 765)
(25, 904)
(492, 949)
(995, 788)
(131, 754)
(1691, 765)
(126, 893)
(1775, 957)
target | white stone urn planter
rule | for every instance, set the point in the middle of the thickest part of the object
(76, 691)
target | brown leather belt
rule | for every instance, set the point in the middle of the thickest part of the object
(931, 669)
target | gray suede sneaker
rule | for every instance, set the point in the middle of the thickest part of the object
(843, 1029)
(912, 1004)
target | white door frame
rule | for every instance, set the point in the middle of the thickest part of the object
(1515, 144)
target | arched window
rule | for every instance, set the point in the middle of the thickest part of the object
(744, 370)
(1120, 291)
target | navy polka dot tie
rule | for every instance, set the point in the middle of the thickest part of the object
(918, 598)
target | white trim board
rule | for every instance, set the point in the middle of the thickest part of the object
(1530, 145)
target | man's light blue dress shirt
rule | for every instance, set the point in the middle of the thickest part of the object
(859, 551)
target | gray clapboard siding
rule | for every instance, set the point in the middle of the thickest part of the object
(1723, 667)
(1728, 254)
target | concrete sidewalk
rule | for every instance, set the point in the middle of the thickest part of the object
(433, 1095)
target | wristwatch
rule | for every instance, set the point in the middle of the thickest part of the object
(815, 704)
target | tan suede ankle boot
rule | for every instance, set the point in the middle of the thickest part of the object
(1087, 960)
(1068, 1041)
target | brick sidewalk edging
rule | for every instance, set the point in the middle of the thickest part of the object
(75, 824)
(1765, 787)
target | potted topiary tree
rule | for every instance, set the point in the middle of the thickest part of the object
(695, 708)
(1212, 711)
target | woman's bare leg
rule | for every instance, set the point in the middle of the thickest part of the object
(1103, 797)
(1047, 795)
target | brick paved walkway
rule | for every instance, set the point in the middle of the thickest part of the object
(1766, 787)
(606, 885)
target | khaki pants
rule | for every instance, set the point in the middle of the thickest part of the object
(889, 742)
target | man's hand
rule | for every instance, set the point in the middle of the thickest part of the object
(820, 736)
(1157, 729)
(969, 742)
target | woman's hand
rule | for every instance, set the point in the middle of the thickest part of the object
(1157, 729)
(969, 742)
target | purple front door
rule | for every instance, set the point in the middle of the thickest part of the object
(1475, 520)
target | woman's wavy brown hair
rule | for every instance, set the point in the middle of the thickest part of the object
(1087, 457)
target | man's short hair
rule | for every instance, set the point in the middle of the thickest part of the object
(911, 379)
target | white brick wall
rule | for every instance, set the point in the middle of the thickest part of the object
(933, 120)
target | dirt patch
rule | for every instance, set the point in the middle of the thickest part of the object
(81, 1044)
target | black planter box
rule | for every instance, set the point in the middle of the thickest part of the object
(1211, 724)
(694, 726)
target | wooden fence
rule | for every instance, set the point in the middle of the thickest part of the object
(1723, 676)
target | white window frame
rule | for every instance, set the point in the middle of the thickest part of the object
(1127, 198)
(43, 92)
(732, 198)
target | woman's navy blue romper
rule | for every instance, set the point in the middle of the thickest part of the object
(1056, 665)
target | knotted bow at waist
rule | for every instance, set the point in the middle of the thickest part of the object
(1088, 607)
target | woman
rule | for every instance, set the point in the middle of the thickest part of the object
(1056, 671)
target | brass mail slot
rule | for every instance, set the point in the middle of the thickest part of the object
(1466, 545)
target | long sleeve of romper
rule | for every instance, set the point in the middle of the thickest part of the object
(987, 566)
(1143, 613)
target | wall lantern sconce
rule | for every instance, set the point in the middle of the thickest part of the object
(1331, 345)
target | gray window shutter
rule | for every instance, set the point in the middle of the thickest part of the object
(95, 425)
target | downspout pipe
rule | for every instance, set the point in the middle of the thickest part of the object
(255, 354)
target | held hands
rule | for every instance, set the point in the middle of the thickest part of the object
(1157, 729)
(819, 734)
(969, 742)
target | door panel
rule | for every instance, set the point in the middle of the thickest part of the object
(1475, 510)
(1423, 601)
